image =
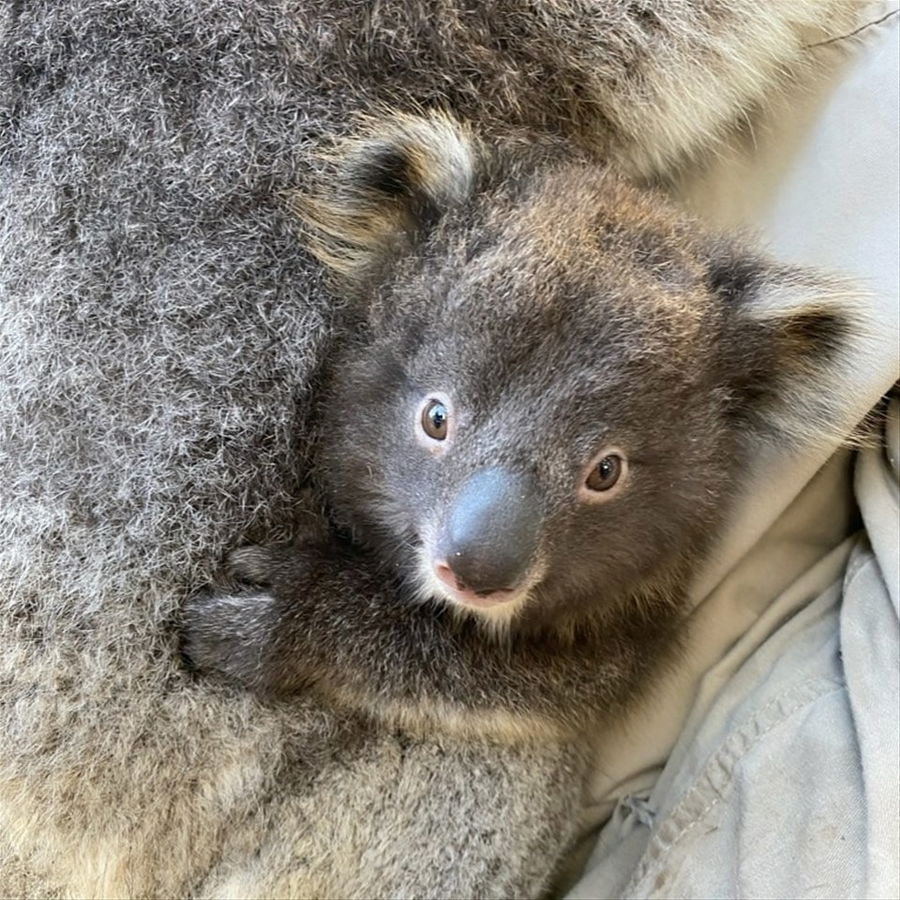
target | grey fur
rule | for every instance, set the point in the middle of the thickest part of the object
(162, 333)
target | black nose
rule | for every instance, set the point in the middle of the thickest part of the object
(491, 532)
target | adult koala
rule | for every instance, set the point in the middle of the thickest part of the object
(162, 332)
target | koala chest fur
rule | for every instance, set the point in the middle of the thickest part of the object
(466, 818)
(521, 399)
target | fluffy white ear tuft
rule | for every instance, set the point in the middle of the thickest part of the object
(391, 183)
(794, 336)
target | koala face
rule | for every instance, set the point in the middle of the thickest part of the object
(559, 381)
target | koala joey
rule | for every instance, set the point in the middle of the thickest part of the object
(532, 389)
(554, 383)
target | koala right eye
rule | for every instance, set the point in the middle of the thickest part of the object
(435, 419)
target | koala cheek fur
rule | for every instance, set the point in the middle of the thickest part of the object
(164, 337)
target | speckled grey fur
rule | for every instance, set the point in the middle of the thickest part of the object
(160, 333)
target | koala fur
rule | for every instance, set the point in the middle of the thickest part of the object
(163, 333)
(558, 311)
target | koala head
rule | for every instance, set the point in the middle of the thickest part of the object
(556, 377)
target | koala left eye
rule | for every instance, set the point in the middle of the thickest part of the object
(605, 473)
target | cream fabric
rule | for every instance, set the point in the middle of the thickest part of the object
(768, 765)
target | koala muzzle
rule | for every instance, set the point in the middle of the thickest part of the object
(490, 534)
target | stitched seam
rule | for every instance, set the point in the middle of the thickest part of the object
(728, 758)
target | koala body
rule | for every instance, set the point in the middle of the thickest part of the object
(163, 332)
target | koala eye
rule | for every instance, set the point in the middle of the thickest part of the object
(435, 419)
(604, 474)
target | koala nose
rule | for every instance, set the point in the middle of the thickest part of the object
(491, 532)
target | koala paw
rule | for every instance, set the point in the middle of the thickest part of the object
(254, 564)
(228, 635)
(245, 635)
(282, 568)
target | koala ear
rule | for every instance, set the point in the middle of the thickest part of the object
(790, 337)
(390, 184)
